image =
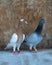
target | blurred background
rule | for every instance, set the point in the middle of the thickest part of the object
(11, 11)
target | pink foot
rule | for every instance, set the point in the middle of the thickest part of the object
(19, 51)
(31, 51)
(14, 52)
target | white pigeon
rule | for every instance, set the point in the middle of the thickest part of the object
(17, 39)
(13, 42)
(21, 35)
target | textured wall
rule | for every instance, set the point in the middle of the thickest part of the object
(11, 11)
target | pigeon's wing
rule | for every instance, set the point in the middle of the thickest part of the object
(32, 38)
(14, 38)
(23, 37)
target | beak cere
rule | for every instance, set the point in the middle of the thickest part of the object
(26, 22)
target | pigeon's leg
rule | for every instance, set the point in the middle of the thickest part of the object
(14, 49)
(35, 49)
(18, 48)
(30, 48)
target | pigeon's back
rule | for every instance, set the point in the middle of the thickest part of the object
(14, 38)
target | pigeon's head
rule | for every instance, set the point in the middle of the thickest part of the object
(23, 21)
(42, 21)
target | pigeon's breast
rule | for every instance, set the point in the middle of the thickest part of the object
(39, 39)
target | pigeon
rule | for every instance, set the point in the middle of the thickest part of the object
(13, 42)
(36, 37)
(17, 39)
(21, 35)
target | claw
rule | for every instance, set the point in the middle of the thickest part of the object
(14, 52)
(31, 51)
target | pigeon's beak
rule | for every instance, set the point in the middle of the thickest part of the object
(23, 21)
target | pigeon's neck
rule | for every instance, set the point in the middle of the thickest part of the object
(20, 28)
(39, 29)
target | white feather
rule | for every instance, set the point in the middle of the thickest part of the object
(14, 38)
(13, 41)
(23, 37)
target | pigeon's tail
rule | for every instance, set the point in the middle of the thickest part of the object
(6, 48)
(9, 45)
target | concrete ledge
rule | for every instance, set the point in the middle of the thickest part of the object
(26, 58)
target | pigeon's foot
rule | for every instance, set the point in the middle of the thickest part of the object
(14, 52)
(31, 51)
(35, 49)
(19, 51)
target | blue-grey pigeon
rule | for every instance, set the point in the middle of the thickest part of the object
(36, 37)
